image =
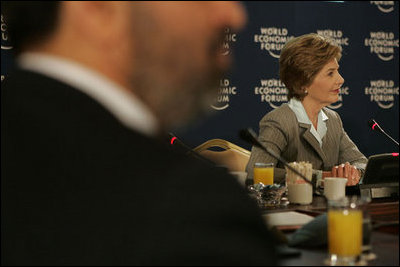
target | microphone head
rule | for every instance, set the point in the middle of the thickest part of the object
(374, 125)
(249, 136)
(371, 122)
(171, 138)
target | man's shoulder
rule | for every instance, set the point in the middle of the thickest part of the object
(23, 88)
(19, 79)
(36, 96)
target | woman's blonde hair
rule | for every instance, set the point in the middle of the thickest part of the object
(302, 58)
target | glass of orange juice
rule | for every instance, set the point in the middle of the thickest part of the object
(345, 220)
(263, 173)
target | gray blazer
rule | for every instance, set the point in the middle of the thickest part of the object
(281, 132)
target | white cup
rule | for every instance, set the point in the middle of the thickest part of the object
(334, 187)
(240, 176)
(300, 193)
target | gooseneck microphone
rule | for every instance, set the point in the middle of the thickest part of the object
(375, 127)
(178, 144)
(181, 147)
(250, 136)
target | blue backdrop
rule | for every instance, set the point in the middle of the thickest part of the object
(369, 35)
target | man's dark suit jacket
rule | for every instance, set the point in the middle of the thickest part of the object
(79, 188)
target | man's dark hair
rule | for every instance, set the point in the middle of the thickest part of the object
(29, 22)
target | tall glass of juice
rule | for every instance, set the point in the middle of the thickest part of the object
(345, 220)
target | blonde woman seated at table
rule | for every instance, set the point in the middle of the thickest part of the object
(304, 129)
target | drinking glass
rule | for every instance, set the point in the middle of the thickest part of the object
(345, 228)
(263, 173)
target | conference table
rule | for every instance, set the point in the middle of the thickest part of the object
(384, 214)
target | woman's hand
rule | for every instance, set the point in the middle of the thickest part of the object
(347, 171)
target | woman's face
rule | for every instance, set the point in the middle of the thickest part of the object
(325, 88)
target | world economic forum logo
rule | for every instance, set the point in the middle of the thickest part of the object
(383, 92)
(382, 44)
(335, 36)
(272, 39)
(271, 91)
(229, 39)
(384, 6)
(225, 92)
(5, 43)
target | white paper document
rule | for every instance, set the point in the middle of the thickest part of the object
(286, 218)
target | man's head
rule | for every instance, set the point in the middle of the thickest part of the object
(167, 53)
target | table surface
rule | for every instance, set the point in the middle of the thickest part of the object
(384, 215)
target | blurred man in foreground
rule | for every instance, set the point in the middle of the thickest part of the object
(85, 178)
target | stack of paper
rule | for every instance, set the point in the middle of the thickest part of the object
(287, 218)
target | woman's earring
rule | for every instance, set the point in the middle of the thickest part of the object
(306, 92)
